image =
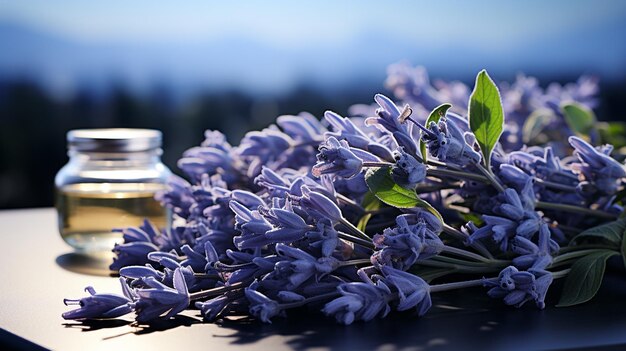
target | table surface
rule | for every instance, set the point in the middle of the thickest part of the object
(38, 270)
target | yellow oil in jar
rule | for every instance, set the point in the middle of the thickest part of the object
(88, 212)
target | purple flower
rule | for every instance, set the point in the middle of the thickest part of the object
(336, 158)
(407, 171)
(324, 237)
(534, 256)
(518, 287)
(344, 129)
(515, 215)
(599, 171)
(359, 301)
(177, 196)
(318, 205)
(261, 306)
(446, 142)
(251, 225)
(297, 266)
(413, 291)
(287, 225)
(213, 308)
(404, 244)
(99, 306)
(134, 251)
(160, 299)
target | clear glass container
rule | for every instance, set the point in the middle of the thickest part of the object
(109, 182)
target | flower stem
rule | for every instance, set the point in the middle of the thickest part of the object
(457, 267)
(575, 254)
(561, 274)
(462, 237)
(358, 241)
(295, 304)
(217, 291)
(354, 230)
(554, 185)
(442, 172)
(464, 253)
(492, 178)
(575, 209)
(456, 285)
(377, 164)
(355, 262)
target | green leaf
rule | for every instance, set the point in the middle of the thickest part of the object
(534, 126)
(585, 278)
(579, 118)
(434, 116)
(382, 185)
(613, 133)
(612, 232)
(486, 116)
(370, 203)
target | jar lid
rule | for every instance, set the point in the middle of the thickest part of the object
(114, 140)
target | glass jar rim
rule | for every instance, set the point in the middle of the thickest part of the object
(114, 140)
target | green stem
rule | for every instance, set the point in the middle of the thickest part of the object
(575, 209)
(217, 291)
(295, 304)
(554, 185)
(459, 235)
(585, 247)
(464, 253)
(355, 262)
(442, 172)
(456, 285)
(575, 254)
(354, 230)
(492, 178)
(365, 243)
(377, 164)
(560, 274)
(458, 268)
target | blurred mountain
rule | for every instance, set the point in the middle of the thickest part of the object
(63, 64)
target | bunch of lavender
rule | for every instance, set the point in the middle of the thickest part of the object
(359, 217)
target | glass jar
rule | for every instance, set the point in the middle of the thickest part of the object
(109, 182)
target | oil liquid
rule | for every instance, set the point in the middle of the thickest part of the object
(88, 212)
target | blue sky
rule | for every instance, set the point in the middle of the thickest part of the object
(338, 38)
(487, 22)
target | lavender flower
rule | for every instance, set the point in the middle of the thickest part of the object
(407, 171)
(336, 158)
(515, 216)
(252, 226)
(101, 305)
(359, 301)
(298, 266)
(160, 299)
(413, 291)
(518, 287)
(446, 142)
(401, 246)
(324, 237)
(318, 205)
(213, 308)
(261, 306)
(599, 171)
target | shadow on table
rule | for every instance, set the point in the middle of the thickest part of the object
(459, 320)
(90, 264)
(156, 326)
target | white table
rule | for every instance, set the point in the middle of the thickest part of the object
(34, 283)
